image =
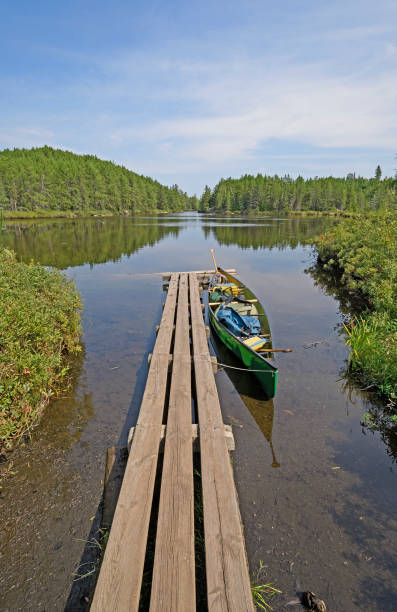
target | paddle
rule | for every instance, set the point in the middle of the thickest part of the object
(217, 274)
(213, 257)
(264, 350)
(234, 297)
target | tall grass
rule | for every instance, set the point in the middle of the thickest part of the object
(373, 354)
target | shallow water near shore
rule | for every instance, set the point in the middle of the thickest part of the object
(317, 490)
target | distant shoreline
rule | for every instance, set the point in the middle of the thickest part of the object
(65, 214)
(283, 213)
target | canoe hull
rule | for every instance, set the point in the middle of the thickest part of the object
(264, 371)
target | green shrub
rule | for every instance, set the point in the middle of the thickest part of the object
(39, 325)
(363, 252)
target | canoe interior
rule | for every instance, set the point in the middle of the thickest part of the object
(249, 295)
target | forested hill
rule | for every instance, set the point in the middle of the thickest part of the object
(266, 193)
(49, 179)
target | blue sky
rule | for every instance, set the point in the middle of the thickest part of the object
(190, 92)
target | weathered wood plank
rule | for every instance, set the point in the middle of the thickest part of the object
(228, 582)
(207, 329)
(231, 446)
(167, 275)
(214, 360)
(173, 586)
(119, 582)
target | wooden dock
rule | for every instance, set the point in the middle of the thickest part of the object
(174, 385)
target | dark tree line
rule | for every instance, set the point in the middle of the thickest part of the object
(51, 179)
(276, 194)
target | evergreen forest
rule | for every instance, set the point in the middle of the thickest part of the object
(47, 180)
(250, 194)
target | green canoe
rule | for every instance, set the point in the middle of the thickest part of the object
(262, 367)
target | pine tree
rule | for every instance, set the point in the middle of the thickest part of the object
(45, 178)
(205, 199)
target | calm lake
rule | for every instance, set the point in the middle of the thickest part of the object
(317, 488)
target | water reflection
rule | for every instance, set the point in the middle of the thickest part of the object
(378, 416)
(64, 243)
(329, 283)
(286, 233)
(43, 502)
(326, 518)
(250, 392)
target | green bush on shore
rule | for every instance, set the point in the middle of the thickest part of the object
(39, 324)
(364, 252)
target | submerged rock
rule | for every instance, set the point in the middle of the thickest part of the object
(312, 602)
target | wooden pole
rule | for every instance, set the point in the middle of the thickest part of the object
(213, 257)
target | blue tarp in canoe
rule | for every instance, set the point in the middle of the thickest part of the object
(239, 325)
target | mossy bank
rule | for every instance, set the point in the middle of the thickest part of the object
(362, 252)
(39, 326)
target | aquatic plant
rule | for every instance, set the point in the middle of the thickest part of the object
(262, 592)
(99, 544)
(39, 326)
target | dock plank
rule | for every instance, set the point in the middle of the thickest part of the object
(228, 582)
(173, 586)
(119, 583)
(200, 273)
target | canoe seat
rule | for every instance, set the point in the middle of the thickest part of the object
(229, 288)
(255, 342)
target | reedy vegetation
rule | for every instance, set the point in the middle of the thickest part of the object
(46, 179)
(39, 325)
(262, 592)
(363, 252)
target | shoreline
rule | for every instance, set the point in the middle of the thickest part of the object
(40, 326)
(8, 215)
(360, 258)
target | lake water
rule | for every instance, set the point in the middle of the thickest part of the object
(317, 489)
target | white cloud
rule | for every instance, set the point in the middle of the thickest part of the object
(176, 109)
(238, 110)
